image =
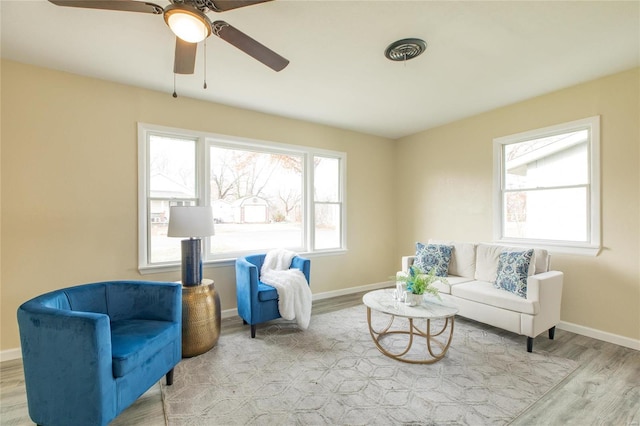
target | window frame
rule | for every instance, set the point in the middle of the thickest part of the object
(340, 199)
(593, 244)
(206, 140)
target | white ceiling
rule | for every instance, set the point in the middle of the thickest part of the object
(480, 55)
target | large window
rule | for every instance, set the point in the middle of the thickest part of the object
(547, 190)
(263, 195)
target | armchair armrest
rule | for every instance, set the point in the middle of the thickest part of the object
(67, 357)
(247, 276)
(546, 289)
(303, 264)
(246, 288)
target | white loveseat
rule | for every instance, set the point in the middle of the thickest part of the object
(471, 276)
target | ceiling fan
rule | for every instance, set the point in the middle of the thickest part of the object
(189, 22)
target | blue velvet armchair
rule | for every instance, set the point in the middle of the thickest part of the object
(257, 301)
(90, 351)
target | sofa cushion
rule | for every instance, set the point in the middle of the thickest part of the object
(484, 292)
(513, 271)
(451, 281)
(135, 341)
(436, 256)
(488, 257)
(463, 258)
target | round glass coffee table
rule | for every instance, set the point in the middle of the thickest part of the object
(383, 301)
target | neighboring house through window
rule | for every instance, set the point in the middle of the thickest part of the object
(547, 187)
(264, 195)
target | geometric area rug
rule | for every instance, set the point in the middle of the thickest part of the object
(332, 373)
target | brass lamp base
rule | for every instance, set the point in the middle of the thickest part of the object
(200, 318)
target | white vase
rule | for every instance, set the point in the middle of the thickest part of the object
(412, 299)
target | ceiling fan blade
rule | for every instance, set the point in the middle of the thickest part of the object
(249, 46)
(224, 5)
(125, 5)
(185, 60)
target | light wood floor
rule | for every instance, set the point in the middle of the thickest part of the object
(604, 390)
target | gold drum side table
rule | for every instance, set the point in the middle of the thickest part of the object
(200, 318)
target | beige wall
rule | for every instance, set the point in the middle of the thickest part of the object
(445, 189)
(69, 188)
(69, 185)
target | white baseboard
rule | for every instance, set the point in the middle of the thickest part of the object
(600, 335)
(351, 290)
(627, 342)
(10, 354)
(228, 313)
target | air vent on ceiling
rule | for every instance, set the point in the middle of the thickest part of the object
(405, 49)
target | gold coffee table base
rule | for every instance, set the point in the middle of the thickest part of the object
(411, 332)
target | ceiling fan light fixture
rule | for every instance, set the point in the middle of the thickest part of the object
(189, 24)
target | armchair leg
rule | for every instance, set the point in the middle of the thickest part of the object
(529, 344)
(169, 377)
(552, 332)
(253, 331)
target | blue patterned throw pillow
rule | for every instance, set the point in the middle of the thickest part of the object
(435, 256)
(513, 270)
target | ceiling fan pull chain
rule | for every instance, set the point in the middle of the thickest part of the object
(205, 64)
(175, 95)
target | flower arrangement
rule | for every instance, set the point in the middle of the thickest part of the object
(419, 283)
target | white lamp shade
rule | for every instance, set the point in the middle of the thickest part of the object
(190, 221)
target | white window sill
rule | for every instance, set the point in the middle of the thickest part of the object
(554, 247)
(175, 266)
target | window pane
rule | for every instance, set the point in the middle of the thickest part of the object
(162, 248)
(326, 179)
(239, 237)
(172, 175)
(257, 200)
(556, 214)
(327, 229)
(172, 167)
(560, 160)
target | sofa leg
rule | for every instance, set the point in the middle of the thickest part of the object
(169, 377)
(529, 344)
(552, 332)
(253, 331)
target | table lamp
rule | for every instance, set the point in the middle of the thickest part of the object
(193, 222)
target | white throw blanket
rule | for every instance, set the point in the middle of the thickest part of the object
(294, 294)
